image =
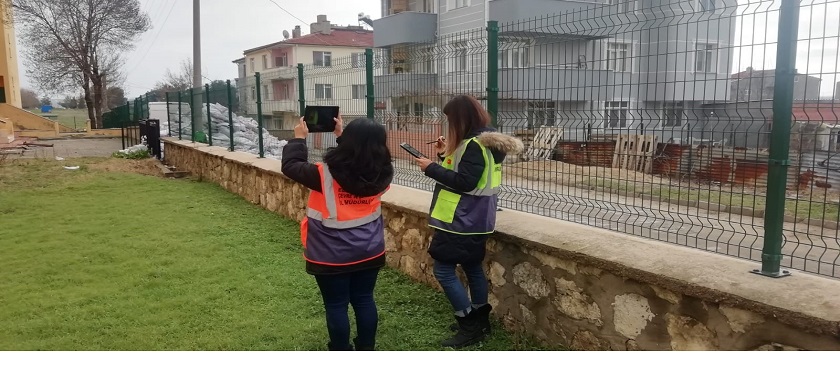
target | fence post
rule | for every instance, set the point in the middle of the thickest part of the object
(301, 90)
(230, 114)
(493, 71)
(259, 115)
(180, 116)
(125, 123)
(209, 123)
(371, 100)
(168, 118)
(774, 216)
(192, 114)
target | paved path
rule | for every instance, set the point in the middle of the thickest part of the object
(70, 148)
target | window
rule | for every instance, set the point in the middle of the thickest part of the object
(455, 4)
(705, 60)
(427, 61)
(358, 60)
(615, 114)
(265, 61)
(253, 92)
(541, 113)
(518, 56)
(265, 93)
(461, 58)
(278, 124)
(253, 68)
(322, 58)
(282, 60)
(323, 91)
(618, 56)
(412, 110)
(672, 114)
(622, 5)
(707, 5)
(359, 91)
(285, 94)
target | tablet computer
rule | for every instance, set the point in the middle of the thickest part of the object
(412, 150)
(320, 118)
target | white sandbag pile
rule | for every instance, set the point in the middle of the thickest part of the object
(245, 131)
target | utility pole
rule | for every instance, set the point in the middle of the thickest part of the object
(196, 101)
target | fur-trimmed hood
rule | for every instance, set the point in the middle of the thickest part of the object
(501, 142)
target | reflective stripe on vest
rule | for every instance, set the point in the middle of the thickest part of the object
(331, 221)
(341, 229)
(469, 213)
(489, 169)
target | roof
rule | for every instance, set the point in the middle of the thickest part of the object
(345, 37)
(760, 73)
(826, 112)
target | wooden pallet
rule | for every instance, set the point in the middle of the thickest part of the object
(546, 138)
(635, 152)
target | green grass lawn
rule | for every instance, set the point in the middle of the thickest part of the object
(108, 260)
(68, 117)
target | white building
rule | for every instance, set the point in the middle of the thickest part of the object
(335, 75)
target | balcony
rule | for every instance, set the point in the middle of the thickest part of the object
(405, 84)
(562, 84)
(404, 28)
(535, 18)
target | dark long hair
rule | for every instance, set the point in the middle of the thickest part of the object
(465, 114)
(361, 163)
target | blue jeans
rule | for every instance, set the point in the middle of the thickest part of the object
(455, 291)
(354, 288)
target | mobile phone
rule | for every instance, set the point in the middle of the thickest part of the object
(320, 118)
(412, 151)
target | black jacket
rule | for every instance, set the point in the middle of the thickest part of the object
(471, 166)
(465, 249)
(296, 166)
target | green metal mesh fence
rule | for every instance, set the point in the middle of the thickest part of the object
(666, 120)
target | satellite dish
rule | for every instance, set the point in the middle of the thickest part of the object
(286, 34)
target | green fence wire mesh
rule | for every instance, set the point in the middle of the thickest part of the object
(665, 120)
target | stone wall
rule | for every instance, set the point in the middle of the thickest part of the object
(575, 286)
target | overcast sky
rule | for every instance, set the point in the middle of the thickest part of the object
(227, 28)
(231, 26)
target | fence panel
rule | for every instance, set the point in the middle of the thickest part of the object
(413, 83)
(648, 118)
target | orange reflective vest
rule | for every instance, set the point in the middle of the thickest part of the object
(341, 228)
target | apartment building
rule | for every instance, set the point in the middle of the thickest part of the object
(327, 50)
(609, 66)
(755, 85)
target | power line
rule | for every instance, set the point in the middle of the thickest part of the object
(152, 44)
(298, 18)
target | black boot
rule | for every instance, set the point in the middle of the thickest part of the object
(470, 331)
(360, 347)
(333, 347)
(484, 317)
(484, 313)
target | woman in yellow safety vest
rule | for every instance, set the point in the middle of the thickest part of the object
(463, 211)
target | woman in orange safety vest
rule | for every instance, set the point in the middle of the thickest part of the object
(343, 233)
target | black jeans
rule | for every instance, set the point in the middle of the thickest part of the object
(354, 288)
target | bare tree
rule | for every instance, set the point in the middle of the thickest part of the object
(78, 43)
(29, 98)
(178, 80)
(181, 79)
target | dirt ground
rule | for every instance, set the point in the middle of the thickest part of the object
(145, 167)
